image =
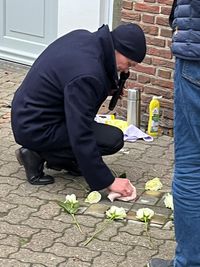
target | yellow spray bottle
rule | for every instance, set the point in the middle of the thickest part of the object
(154, 116)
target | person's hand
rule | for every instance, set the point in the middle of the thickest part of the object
(121, 186)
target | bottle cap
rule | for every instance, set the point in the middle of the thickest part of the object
(133, 94)
(156, 97)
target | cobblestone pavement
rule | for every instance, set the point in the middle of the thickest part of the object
(35, 232)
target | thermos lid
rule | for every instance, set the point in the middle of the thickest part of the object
(133, 94)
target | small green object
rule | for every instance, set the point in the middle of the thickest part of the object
(122, 175)
(23, 241)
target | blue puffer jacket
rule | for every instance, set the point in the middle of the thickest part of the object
(186, 25)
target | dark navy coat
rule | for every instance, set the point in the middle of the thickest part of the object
(56, 103)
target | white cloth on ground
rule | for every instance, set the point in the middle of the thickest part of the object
(132, 133)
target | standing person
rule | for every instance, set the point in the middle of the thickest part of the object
(53, 110)
(185, 18)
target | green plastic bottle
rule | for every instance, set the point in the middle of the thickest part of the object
(154, 116)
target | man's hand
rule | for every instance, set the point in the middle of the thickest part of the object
(121, 186)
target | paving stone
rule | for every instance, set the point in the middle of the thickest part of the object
(116, 248)
(7, 142)
(137, 257)
(47, 211)
(118, 203)
(36, 222)
(155, 152)
(139, 145)
(155, 161)
(74, 262)
(110, 231)
(88, 220)
(97, 210)
(133, 227)
(159, 219)
(7, 157)
(57, 187)
(161, 141)
(26, 189)
(5, 251)
(11, 181)
(18, 214)
(157, 210)
(157, 194)
(47, 259)
(139, 191)
(40, 241)
(12, 240)
(5, 207)
(162, 234)
(133, 240)
(72, 236)
(2, 236)
(20, 230)
(131, 216)
(132, 156)
(169, 226)
(167, 183)
(38, 265)
(6, 189)
(29, 201)
(166, 251)
(108, 260)
(13, 263)
(147, 200)
(46, 196)
(128, 163)
(82, 253)
(109, 159)
(9, 168)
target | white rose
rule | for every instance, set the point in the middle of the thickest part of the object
(144, 213)
(71, 198)
(93, 197)
(169, 201)
(116, 213)
(153, 184)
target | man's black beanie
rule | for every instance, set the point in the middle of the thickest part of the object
(129, 40)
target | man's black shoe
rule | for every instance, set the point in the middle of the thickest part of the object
(72, 168)
(75, 172)
(156, 262)
(33, 165)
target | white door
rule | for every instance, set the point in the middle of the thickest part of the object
(26, 28)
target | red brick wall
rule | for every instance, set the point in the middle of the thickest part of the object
(155, 75)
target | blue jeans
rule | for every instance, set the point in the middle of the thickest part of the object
(186, 183)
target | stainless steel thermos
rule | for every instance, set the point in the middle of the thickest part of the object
(133, 107)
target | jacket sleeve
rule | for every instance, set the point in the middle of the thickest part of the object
(171, 16)
(82, 96)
